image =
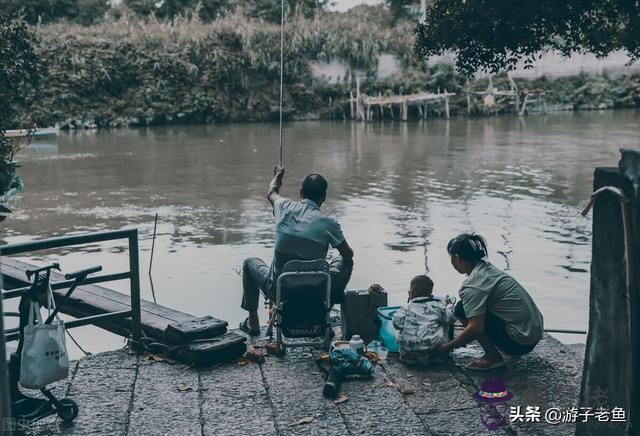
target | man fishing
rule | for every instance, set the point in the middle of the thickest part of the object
(303, 232)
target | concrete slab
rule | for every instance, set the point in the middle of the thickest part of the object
(166, 400)
(125, 394)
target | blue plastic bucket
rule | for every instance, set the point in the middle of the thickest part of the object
(388, 332)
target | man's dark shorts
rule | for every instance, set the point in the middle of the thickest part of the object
(496, 330)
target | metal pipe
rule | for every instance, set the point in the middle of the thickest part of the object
(577, 332)
(93, 319)
(153, 247)
(5, 397)
(65, 241)
(134, 268)
(626, 225)
(6, 294)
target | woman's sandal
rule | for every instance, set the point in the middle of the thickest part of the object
(477, 366)
(244, 326)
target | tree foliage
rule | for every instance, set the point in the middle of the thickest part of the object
(495, 34)
(402, 9)
(270, 10)
(206, 10)
(19, 71)
(209, 10)
(34, 11)
(87, 12)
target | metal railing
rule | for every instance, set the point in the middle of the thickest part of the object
(5, 398)
(133, 275)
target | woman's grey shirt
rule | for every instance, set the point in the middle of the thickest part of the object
(488, 289)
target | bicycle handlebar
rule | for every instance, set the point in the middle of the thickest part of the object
(31, 272)
(83, 272)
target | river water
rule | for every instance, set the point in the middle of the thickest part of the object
(400, 191)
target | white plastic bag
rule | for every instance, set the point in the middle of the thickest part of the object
(44, 358)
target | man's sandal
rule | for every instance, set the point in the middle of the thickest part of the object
(244, 326)
(477, 365)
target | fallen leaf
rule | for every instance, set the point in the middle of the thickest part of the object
(426, 384)
(371, 357)
(341, 399)
(324, 356)
(389, 383)
(302, 421)
(155, 357)
(255, 356)
(410, 375)
(272, 348)
(406, 392)
(182, 387)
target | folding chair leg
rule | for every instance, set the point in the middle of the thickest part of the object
(280, 348)
(271, 313)
(326, 344)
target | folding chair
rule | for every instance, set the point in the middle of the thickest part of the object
(302, 306)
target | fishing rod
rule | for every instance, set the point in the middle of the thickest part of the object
(575, 332)
(281, 77)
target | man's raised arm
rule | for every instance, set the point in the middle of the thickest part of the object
(276, 183)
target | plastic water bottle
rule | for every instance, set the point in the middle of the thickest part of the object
(356, 344)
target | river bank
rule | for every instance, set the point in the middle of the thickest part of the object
(134, 72)
(122, 393)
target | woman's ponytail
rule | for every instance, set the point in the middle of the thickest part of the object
(469, 247)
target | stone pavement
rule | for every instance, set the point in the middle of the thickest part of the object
(127, 394)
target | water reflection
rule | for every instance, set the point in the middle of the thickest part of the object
(400, 191)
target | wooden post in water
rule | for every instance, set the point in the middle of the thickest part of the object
(516, 96)
(358, 109)
(446, 104)
(351, 104)
(405, 112)
(611, 374)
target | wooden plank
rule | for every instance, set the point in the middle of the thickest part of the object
(94, 299)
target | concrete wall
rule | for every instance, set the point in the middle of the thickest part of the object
(550, 64)
(335, 71)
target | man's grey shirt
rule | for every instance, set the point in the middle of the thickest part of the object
(303, 232)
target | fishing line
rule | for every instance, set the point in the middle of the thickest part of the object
(281, 76)
(86, 353)
(153, 246)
